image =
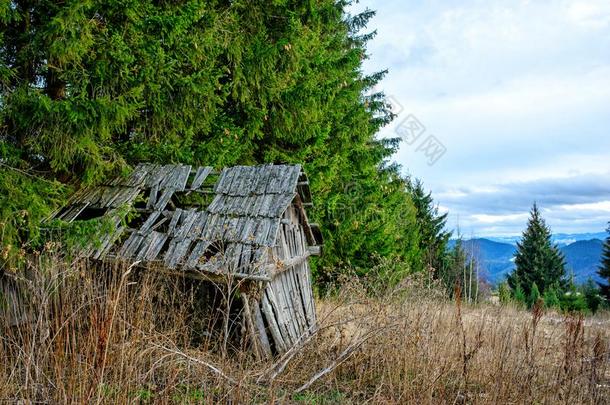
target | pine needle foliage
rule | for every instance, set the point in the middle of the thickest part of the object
(90, 88)
(537, 261)
(431, 225)
(604, 269)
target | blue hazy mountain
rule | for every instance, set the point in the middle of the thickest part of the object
(558, 238)
(496, 259)
(583, 258)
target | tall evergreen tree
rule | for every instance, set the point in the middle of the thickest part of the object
(90, 88)
(537, 259)
(431, 225)
(451, 272)
(604, 269)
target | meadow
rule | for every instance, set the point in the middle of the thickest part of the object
(131, 338)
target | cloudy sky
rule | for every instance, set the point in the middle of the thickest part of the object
(509, 101)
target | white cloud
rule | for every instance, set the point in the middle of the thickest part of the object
(598, 207)
(499, 219)
(519, 94)
(591, 14)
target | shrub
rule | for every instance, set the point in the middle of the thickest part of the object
(550, 298)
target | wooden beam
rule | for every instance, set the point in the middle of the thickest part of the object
(202, 190)
(255, 334)
(159, 265)
(282, 265)
(315, 250)
(273, 320)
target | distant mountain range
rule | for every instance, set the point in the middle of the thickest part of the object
(496, 255)
(559, 238)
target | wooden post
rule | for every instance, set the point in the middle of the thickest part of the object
(260, 328)
(250, 324)
(260, 343)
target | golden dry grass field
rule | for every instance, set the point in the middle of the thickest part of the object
(133, 339)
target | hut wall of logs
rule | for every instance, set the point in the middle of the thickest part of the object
(246, 223)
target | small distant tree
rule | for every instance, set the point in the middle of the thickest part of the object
(604, 269)
(550, 298)
(519, 295)
(537, 259)
(504, 292)
(534, 295)
(591, 295)
(450, 273)
(460, 268)
(573, 301)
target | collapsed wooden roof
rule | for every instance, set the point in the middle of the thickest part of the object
(232, 234)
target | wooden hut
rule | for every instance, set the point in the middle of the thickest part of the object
(243, 223)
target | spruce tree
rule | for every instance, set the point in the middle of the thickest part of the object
(534, 295)
(573, 300)
(452, 270)
(550, 298)
(90, 89)
(504, 293)
(537, 259)
(431, 225)
(592, 295)
(519, 295)
(604, 269)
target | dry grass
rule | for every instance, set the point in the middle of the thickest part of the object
(129, 339)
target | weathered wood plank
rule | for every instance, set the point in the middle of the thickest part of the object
(73, 212)
(150, 221)
(177, 253)
(124, 196)
(258, 337)
(134, 179)
(281, 293)
(188, 219)
(285, 317)
(152, 178)
(182, 178)
(164, 175)
(287, 264)
(152, 197)
(272, 321)
(224, 182)
(196, 254)
(198, 226)
(107, 243)
(305, 277)
(281, 311)
(263, 178)
(308, 299)
(245, 261)
(156, 247)
(131, 245)
(147, 241)
(260, 327)
(303, 294)
(166, 196)
(297, 302)
(174, 222)
(200, 176)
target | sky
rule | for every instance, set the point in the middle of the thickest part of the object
(500, 103)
